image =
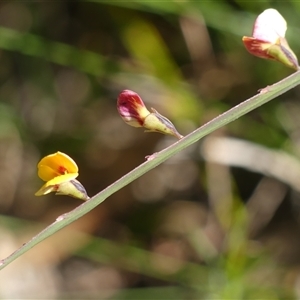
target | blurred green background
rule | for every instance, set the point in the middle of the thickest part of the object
(218, 221)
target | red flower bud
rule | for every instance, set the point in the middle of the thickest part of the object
(134, 112)
(132, 108)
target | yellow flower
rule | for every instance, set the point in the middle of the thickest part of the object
(59, 171)
(56, 164)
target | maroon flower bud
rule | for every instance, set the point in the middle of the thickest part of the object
(132, 108)
(134, 112)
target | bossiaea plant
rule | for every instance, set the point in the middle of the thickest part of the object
(58, 169)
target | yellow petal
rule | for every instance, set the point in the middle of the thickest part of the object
(56, 164)
(62, 178)
(47, 173)
(44, 190)
(53, 185)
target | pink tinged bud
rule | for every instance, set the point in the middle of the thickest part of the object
(134, 112)
(268, 39)
(132, 108)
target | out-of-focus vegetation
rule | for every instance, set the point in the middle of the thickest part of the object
(218, 221)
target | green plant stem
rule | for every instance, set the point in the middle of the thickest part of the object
(264, 96)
